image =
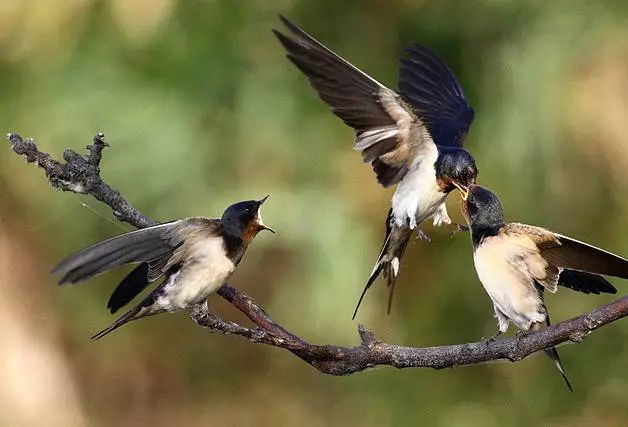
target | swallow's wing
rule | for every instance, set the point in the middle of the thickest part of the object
(388, 133)
(578, 263)
(576, 255)
(587, 283)
(131, 286)
(431, 88)
(151, 245)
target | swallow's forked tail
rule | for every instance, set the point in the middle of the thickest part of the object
(389, 260)
(552, 353)
(143, 309)
(126, 317)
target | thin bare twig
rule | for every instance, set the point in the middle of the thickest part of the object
(82, 175)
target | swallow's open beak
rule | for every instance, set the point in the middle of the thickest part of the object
(464, 192)
(262, 226)
(260, 223)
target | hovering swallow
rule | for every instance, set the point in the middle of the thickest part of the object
(516, 263)
(412, 138)
(194, 256)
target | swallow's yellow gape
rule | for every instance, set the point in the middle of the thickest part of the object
(464, 192)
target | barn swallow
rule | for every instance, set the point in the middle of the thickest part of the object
(516, 263)
(412, 138)
(194, 256)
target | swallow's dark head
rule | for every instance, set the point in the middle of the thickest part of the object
(482, 210)
(455, 168)
(244, 219)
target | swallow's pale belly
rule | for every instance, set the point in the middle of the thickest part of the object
(418, 196)
(510, 288)
(204, 272)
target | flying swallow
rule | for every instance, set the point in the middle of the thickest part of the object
(193, 255)
(412, 138)
(516, 263)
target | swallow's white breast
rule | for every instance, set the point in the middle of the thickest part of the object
(418, 196)
(205, 270)
(502, 267)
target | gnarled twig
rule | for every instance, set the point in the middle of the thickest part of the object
(82, 175)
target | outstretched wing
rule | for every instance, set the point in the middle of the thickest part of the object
(576, 255)
(150, 244)
(587, 283)
(569, 262)
(388, 132)
(431, 88)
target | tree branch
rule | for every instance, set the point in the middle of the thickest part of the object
(82, 175)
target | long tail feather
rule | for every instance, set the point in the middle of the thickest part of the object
(389, 259)
(146, 307)
(552, 353)
(378, 265)
(369, 282)
(391, 293)
(126, 317)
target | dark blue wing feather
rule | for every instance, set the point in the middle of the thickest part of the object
(436, 96)
(587, 283)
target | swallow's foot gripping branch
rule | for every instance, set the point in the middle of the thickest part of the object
(82, 175)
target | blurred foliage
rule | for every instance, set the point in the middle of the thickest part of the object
(201, 109)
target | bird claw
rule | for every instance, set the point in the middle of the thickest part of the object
(421, 235)
(457, 229)
(521, 334)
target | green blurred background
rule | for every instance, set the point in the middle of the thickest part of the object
(202, 109)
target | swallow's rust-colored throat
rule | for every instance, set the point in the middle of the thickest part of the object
(249, 233)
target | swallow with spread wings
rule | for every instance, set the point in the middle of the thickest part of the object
(412, 137)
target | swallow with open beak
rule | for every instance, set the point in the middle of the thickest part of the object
(193, 255)
(412, 138)
(516, 263)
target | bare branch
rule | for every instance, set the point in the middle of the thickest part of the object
(82, 175)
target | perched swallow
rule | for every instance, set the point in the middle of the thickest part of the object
(412, 138)
(194, 256)
(516, 263)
